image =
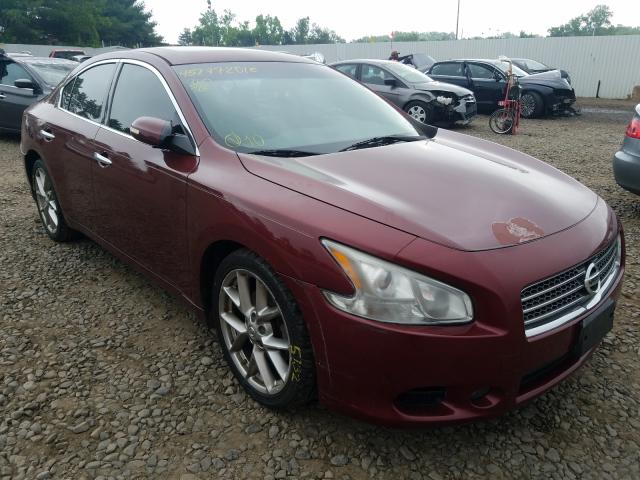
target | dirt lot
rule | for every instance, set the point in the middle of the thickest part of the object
(103, 375)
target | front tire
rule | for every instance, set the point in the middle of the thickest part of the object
(262, 332)
(532, 105)
(420, 111)
(48, 206)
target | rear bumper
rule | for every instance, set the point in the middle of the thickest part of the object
(626, 169)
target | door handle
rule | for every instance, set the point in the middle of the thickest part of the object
(2, 97)
(48, 136)
(102, 160)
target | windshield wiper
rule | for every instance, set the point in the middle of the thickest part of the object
(283, 152)
(385, 140)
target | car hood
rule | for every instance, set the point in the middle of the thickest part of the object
(442, 87)
(552, 78)
(454, 189)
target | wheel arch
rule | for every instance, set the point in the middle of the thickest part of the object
(211, 258)
(30, 159)
(425, 97)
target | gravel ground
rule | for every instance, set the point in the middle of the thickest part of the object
(103, 375)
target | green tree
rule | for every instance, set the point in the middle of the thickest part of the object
(595, 22)
(208, 30)
(79, 22)
(300, 33)
(323, 35)
(186, 37)
(268, 30)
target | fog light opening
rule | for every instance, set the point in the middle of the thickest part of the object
(480, 398)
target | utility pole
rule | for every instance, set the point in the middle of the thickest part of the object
(458, 20)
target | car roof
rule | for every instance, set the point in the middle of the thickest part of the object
(187, 55)
(43, 60)
(373, 61)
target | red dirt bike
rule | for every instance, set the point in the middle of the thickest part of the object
(507, 119)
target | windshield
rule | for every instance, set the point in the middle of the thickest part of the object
(517, 71)
(52, 73)
(260, 106)
(533, 65)
(408, 74)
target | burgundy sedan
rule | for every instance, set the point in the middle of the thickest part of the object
(400, 273)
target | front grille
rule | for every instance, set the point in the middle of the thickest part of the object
(555, 296)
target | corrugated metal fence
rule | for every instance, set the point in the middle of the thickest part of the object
(612, 60)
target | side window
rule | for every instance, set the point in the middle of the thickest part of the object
(66, 94)
(139, 93)
(349, 69)
(450, 69)
(374, 75)
(480, 71)
(87, 95)
(11, 71)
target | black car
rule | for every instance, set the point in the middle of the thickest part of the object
(533, 66)
(25, 80)
(426, 100)
(542, 93)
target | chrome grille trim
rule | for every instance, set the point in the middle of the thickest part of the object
(555, 300)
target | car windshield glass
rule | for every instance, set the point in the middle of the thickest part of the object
(533, 65)
(270, 106)
(517, 71)
(52, 72)
(407, 73)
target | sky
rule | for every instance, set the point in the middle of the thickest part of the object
(354, 19)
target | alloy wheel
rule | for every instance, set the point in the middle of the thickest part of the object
(254, 331)
(46, 200)
(528, 103)
(418, 112)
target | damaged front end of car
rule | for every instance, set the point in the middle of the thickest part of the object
(454, 109)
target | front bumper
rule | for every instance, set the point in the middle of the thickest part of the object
(562, 100)
(626, 169)
(399, 375)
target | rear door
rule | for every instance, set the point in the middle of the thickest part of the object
(488, 84)
(13, 100)
(67, 140)
(451, 72)
(374, 77)
(140, 191)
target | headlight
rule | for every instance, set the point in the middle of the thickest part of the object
(444, 100)
(393, 294)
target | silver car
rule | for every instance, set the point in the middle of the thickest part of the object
(626, 161)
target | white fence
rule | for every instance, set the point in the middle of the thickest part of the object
(614, 61)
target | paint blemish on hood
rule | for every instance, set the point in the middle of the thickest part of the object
(516, 230)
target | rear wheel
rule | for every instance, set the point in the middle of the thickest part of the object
(421, 111)
(48, 206)
(262, 332)
(532, 105)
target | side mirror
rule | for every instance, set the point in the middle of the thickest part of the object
(160, 134)
(150, 130)
(25, 83)
(391, 82)
(497, 76)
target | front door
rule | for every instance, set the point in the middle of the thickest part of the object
(139, 190)
(375, 77)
